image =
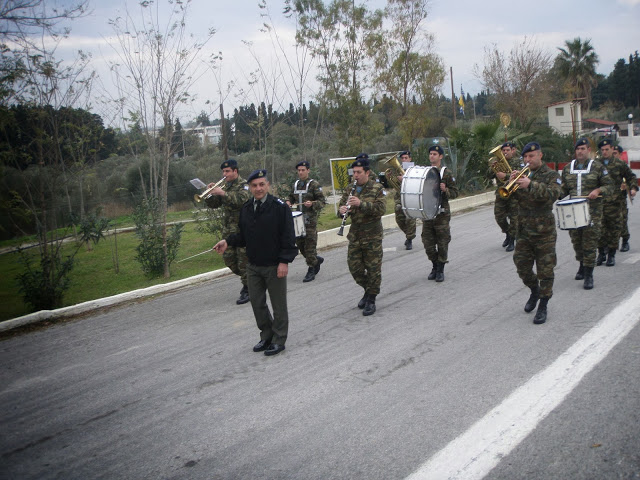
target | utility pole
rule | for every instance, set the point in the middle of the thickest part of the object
(224, 134)
(453, 97)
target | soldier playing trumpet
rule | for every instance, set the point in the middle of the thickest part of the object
(505, 210)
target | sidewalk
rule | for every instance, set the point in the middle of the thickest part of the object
(327, 238)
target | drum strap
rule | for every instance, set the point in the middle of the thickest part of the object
(579, 173)
(301, 192)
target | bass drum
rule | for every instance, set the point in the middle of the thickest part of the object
(420, 192)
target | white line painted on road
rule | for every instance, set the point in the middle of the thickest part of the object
(477, 451)
(633, 258)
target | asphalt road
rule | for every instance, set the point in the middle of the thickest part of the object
(446, 380)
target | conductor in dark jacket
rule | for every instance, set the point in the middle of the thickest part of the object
(266, 230)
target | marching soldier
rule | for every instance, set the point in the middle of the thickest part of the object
(364, 256)
(505, 210)
(406, 224)
(308, 198)
(230, 200)
(586, 178)
(436, 233)
(536, 234)
(624, 232)
(623, 180)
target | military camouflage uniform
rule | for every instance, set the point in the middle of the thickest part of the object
(614, 205)
(505, 210)
(536, 234)
(303, 191)
(364, 255)
(406, 224)
(436, 233)
(236, 194)
(585, 239)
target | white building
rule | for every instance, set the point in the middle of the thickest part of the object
(566, 117)
(210, 135)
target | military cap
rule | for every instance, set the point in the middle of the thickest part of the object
(362, 160)
(604, 142)
(405, 152)
(530, 147)
(618, 148)
(580, 142)
(257, 174)
(231, 163)
(508, 144)
(436, 148)
(303, 163)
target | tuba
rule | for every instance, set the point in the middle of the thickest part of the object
(498, 162)
(393, 171)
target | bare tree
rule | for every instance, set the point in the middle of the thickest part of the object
(156, 69)
(518, 81)
(21, 18)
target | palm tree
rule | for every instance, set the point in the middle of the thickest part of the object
(576, 65)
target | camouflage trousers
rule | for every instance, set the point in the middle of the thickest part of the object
(585, 240)
(505, 211)
(536, 243)
(436, 236)
(611, 224)
(624, 231)
(364, 258)
(308, 245)
(236, 259)
(406, 224)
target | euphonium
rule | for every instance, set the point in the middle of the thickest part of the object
(393, 171)
(498, 162)
(512, 186)
(198, 197)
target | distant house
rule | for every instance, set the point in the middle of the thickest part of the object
(210, 135)
(566, 117)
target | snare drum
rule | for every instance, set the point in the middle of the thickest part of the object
(573, 213)
(420, 192)
(298, 224)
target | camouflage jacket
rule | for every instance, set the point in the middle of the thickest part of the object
(308, 190)
(366, 219)
(236, 194)
(451, 192)
(593, 176)
(619, 171)
(544, 189)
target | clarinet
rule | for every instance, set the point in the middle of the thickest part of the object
(344, 218)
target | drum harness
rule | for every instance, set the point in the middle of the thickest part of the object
(441, 209)
(579, 173)
(300, 194)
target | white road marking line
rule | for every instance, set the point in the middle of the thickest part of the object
(476, 452)
(633, 258)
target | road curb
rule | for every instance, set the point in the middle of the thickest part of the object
(326, 238)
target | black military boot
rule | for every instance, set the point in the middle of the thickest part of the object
(434, 270)
(311, 275)
(506, 241)
(317, 267)
(588, 278)
(541, 314)
(602, 256)
(244, 295)
(363, 301)
(611, 259)
(408, 244)
(511, 245)
(370, 306)
(440, 272)
(580, 274)
(533, 299)
(625, 245)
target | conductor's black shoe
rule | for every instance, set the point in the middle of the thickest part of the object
(611, 259)
(625, 246)
(370, 306)
(602, 256)
(363, 301)
(244, 295)
(541, 314)
(506, 241)
(580, 274)
(317, 267)
(274, 349)
(511, 245)
(533, 300)
(261, 345)
(311, 274)
(408, 244)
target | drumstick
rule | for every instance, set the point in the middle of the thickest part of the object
(585, 196)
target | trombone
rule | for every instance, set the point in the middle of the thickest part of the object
(198, 197)
(512, 186)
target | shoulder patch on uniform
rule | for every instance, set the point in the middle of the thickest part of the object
(559, 181)
(320, 188)
(605, 171)
(384, 192)
(454, 178)
(246, 187)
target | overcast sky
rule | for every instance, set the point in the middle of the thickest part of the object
(462, 29)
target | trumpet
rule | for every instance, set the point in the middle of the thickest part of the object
(498, 162)
(198, 197)
(512, 186)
